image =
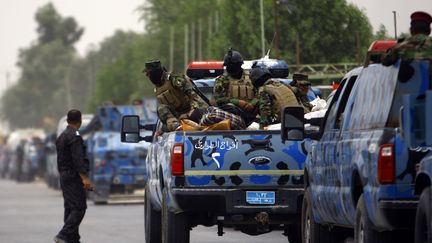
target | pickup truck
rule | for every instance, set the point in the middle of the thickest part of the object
(360, 173)
(417, 129)
(248, 179)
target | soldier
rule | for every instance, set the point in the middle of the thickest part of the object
(273, 96)
(73, 168)
(418, 45)
(234, 88)
(301, 86)
(176, 95)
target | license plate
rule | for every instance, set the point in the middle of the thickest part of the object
(260, 197)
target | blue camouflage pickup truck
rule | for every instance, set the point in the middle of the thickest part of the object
(417, 129)
(360, 174)
(247, 179)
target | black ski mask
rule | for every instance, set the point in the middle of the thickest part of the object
(235, 70)
(155, 76)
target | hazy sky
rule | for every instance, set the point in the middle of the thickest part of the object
(101, 17)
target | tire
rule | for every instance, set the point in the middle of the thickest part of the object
(364, 231)
(175, 227)
(152, 222)
(294, 233)
(312, 232)
(423, 230)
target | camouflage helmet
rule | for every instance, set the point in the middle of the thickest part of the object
(232, 57)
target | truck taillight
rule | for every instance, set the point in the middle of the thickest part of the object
(177, 160)
(386, 164)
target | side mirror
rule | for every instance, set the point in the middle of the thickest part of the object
(130, 129)
(292, 123)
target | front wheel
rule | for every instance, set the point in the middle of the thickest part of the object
(175, 226)
(423, 226)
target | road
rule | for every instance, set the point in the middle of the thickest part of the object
(33, 213)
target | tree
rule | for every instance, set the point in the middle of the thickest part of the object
(45, 88)
(382, 33)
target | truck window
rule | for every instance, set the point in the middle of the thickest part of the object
(372, 98)
(343, 102)
(418, 83)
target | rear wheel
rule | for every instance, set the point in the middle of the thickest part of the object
(312, 232)
(175, 226)
(423, 229)
(152, 222)
(364, 231)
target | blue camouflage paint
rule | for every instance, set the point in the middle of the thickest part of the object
(370, 119)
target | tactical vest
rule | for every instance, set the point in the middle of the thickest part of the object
(241, 88)
(169, 95)
(282, 96)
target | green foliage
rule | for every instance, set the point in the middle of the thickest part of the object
(46, 72)
(382, 33)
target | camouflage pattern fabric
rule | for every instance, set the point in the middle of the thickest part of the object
(302, 99)
(169, 114)
(268, 104)
(170, 118)
(221, 90)
(415, 47)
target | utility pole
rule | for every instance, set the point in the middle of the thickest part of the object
(297, 49)
(394, 22)
(262, 28)
(193, 42)
(186, 45)
(171, 49)
(200, 56)
(210, 21)
(276, 29)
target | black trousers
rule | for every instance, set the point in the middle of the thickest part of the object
(75, 206)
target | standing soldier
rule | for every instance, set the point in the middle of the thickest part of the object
(234, 88)
(418, 45)
(74, 181)
(273, 96)
(176, 95)
(301, 86)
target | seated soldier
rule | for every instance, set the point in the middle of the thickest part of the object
(273, 96)
(176, 96)
(301, 86)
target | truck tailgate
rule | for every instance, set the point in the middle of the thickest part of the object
(247, 159)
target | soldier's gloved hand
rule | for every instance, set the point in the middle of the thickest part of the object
(246, 106)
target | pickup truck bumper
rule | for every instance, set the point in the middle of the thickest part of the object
(399, 214)
(233, 201)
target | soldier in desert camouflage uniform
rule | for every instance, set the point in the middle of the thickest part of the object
(176, 96)
(273, 96)
(418, 45)
(234, 88)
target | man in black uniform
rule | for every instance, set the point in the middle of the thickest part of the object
(73, 168)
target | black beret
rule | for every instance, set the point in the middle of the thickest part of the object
(74, 116)
(300, 76)
(153, 64)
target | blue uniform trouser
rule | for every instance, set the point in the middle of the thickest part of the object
(75, 206)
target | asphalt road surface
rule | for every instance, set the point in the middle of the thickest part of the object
(33, 213)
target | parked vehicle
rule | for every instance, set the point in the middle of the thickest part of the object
(360, 174)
